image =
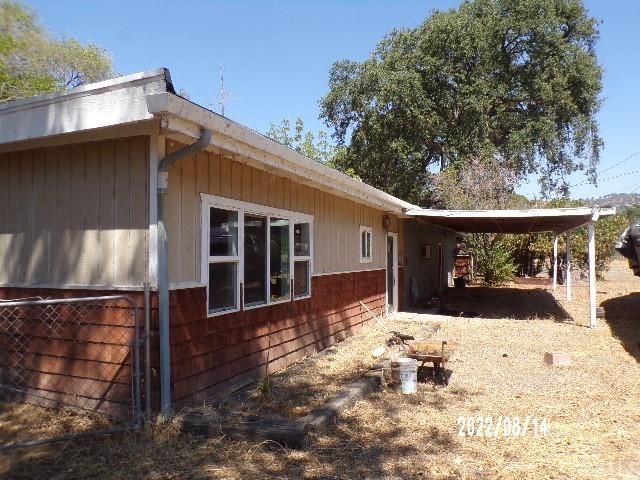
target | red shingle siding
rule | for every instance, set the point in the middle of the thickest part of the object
(207, 353)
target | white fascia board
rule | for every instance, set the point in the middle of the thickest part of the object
(113, 102)
(236, 138)
(586, 212)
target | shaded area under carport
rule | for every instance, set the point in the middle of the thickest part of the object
(500, 302)
(545, 220)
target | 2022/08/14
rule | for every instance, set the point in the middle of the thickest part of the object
(502, 426)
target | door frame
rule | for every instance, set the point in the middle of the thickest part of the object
(440, 253)
(394, 272)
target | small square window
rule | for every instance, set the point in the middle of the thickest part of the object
(301, 278)
(425, 251)
(366, 244)
(223, 286)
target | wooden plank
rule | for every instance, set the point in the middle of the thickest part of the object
(225, 177)
(26, 198)
(188, 216)
(122, 255)
(286, 196)
(138, 214)
(32, 363)
(15, 223)
(83, 387)
(107, 211)
(236, 180)
(93, 247)
(318, 227)
(257, 186)
(116, 409)
(79, 270)
(202, 184)
(50, 217)
(174, 222)
(336, 405)
(254, 429)
(61, 248)
(214, 174)
(6, 230)
(247, 173)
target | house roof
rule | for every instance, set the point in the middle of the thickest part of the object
(148, 98)
(511, 221)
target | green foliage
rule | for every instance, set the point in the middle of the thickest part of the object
(517, 80)
(608, 230)
(632, 214)
(494, 258)
(315, 146)
(33, 62)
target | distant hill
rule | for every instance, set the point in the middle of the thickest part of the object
(615, 200)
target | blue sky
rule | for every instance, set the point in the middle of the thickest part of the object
(277, 55)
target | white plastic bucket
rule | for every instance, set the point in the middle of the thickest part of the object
(404, 375)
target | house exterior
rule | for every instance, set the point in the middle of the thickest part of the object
(270, 256)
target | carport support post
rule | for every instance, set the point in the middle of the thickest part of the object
(555, 263)
(567, 278)
(592, 275)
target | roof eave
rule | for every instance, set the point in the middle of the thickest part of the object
(187, 118)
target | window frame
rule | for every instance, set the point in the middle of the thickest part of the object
(369, 232)
(212, 201)
(302, 258)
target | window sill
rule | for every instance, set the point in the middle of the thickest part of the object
(222, 312)
(366, 260)
(254, 307)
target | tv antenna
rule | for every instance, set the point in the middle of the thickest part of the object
(223, 94)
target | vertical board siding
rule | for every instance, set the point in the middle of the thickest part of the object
(75, 215)
(336, 227)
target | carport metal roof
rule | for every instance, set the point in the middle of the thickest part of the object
(556, 220)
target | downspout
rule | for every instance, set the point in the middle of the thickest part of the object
(163, 266)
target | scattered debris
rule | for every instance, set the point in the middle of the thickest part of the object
(557, 359)
(449, 312)
(378, 352)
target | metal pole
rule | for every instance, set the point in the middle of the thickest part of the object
(568, 268)
(137, 412)
(147, 352)
(163, 266)
(555, 263)
(592, 275)
(163, 311)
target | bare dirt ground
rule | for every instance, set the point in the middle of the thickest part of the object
(592, 407)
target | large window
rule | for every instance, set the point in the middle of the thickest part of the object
(255, 255)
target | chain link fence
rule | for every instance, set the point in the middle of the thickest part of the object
(81, 354)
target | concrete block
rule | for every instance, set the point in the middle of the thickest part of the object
(557, 359)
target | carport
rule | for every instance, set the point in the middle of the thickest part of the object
(559, 221)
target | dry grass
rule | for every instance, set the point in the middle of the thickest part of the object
(591, 406)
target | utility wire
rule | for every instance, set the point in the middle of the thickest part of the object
(633, 155)
(608, 178)
(620, 162)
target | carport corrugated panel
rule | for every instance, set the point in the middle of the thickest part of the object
(508, 221)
